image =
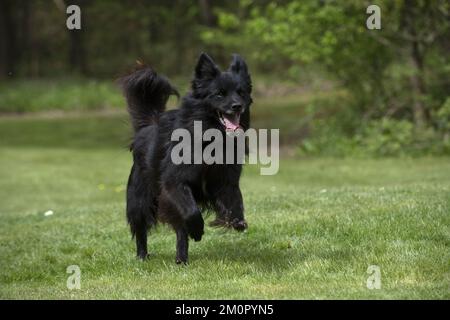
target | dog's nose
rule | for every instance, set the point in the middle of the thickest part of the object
(236, 107)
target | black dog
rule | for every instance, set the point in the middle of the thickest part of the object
(172, 193)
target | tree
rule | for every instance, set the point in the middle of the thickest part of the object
(77, 50)
(385, 70)
(8, 39)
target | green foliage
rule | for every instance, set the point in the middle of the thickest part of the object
(376, 138)
(397, 77)
(442, 117)
(386, 137)
(41, 95)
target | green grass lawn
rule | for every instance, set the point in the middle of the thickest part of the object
(314, 228)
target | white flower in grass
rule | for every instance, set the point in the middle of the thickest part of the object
(48, 213)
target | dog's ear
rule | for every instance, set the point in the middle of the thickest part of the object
(239, 67)
(206, 69)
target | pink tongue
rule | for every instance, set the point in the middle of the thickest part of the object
(230, 125)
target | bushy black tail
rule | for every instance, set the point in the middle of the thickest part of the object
(147, 94)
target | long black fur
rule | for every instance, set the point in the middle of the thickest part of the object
(158, 189)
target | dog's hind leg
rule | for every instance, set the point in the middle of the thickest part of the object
(182, 246)
(139, 212)
(141, 241)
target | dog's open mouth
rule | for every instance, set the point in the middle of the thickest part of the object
(229, 121)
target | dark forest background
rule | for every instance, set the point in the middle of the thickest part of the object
(335, 87)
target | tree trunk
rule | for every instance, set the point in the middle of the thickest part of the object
(8, 40)
(3, 35)
(29, 47)
(77, 52)
(410, 13)
(418, 89)
(207, 15)
(77, 59)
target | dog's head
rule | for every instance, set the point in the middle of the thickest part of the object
(227, 94)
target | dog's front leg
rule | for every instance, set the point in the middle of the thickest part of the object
(177, 206)
(229, 207)
(182, 199)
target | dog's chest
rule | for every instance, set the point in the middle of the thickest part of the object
(205, 181)
(213, 178)
(204, 184)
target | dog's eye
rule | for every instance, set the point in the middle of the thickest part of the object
(241, 93)
(220, 95)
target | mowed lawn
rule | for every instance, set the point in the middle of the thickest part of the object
(314, 228)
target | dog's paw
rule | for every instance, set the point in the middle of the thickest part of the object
(181, 260)
(143, 256)
(218, 223)
(239, 225)
(195, 226)
(236, 224)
